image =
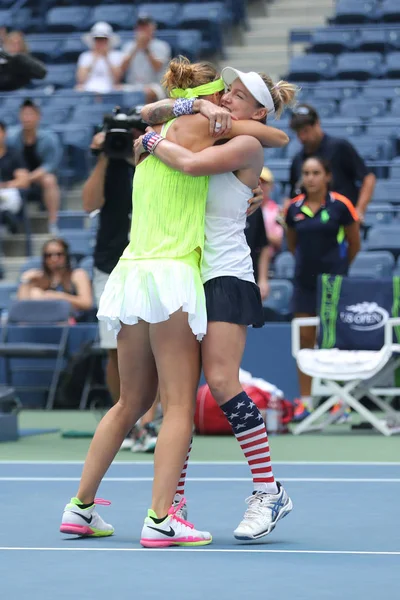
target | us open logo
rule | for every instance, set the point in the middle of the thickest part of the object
(365, 316)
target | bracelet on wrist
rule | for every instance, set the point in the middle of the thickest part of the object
(151, 140)
(183, 106)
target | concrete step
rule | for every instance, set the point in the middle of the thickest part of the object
(293, 11)
(257, 52)
(11, 267)
(14, 245)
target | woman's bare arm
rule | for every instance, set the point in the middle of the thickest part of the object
(352, 233)
(236, 154)
(291, 239)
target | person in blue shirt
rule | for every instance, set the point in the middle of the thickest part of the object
(40, 151)
(323, 234)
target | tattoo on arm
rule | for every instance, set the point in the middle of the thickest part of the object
(160, 114)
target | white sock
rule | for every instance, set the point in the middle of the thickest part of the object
(308, 402)
(267, 488)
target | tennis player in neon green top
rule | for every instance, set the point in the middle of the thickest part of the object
(155, 300)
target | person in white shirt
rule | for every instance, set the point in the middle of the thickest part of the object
(99, 68)
(145, 60)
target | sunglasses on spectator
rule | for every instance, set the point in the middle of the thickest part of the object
(57, 254)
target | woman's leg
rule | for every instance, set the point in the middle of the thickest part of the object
(138, 385)
(177, 355)
(222, 351)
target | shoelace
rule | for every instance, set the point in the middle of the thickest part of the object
(101, 502)
(257, 502)
(174, 512)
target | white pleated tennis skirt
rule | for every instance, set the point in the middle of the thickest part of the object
(151, 290)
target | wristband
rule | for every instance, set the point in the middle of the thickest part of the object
(183, 106)
(151, 140)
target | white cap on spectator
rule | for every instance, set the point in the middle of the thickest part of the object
(101, 29)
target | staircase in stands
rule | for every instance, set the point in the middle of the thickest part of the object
(264, 45)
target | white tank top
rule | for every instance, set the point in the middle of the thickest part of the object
(226, 252)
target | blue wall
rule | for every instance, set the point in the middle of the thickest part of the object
(268, 355)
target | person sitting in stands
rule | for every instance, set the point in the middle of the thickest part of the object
(57, 280)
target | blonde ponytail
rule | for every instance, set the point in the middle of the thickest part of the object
(283, 93)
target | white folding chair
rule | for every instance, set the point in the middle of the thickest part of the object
(349, 374)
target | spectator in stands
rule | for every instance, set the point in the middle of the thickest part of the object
(259, 248)
(57, 280)
(99, 68)
(351, 177)
(13, 177)
(39, 150)
(146, 59)
(318, 223)
(109, 190)
(271, 211)
(15, 43)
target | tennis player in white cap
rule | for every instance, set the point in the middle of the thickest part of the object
(232, 297)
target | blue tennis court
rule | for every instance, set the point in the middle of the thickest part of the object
(342, 539)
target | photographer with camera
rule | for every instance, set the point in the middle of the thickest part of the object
(109, 191)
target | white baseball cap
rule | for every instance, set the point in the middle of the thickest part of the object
(254, 83)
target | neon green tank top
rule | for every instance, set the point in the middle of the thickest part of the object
(168, 211)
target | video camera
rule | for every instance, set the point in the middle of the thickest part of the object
(118, 128)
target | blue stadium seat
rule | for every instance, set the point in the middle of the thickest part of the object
(81, 242)
(325, 108)
(343, 126)
(332, 40)
(188, 43)
(35, 262)
(90, 115)
(389, 11)
(284, 266)
(372, 265)
(6, 18)
(395, 171)
(370, 148)
(55, 116)
(381, 89)
(387, 191)
(34, 343)
(8, 293)
(68, 18)
(384, 126)
(293, 147)
(60, 75)
(363, 109)
(354, 11)
(310, 67)
(71, 49)
(359, 65)
(395, 108)
(339, 89)
(165, 14)
(279, 297)
(384, 237)
(119, 16)
(280, 169)
(371, 40)
(131, 99)
(72, 219)
(46, 50)
(325, 93)
(392, 66)
(76, 143)
(87, 264)
(379, 214)
(209, 18)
